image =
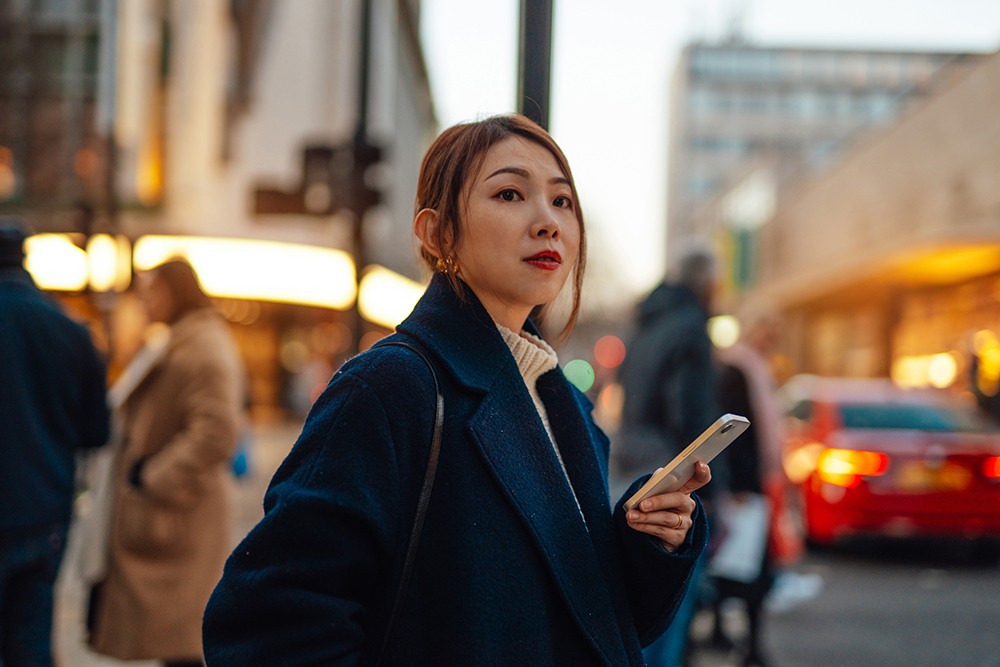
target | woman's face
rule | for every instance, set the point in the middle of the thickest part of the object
(156, 298)
(520, 234)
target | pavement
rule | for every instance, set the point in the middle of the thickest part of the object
(270, 445)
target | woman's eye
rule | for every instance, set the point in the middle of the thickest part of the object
(563, 202)
(508, 195)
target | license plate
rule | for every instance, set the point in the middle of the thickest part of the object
(918, 477)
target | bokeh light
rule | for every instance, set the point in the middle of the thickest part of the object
(609, 351)
(580, 373)
(724, 330)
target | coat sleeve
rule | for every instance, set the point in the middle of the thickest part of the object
(300, 588)
(210, 392)
(655, 579)
(94, 415)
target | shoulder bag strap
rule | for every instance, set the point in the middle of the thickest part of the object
(422, 502)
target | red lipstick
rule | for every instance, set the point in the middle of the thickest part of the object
(548, 260)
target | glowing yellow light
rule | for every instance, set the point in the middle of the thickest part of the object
(942, 369)
(799, 463)
(910, 371)
(846, 467)
(386, 297)
(149, 174)
(102, 262)
(609, 403)
(930, 370)
(984, 340)
(724, 330)
(55, 262)
(259, 270)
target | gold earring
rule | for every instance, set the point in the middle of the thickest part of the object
(446, 266)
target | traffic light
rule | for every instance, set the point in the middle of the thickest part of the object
(334, 178)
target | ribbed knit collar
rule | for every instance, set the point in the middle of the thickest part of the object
(534, 357)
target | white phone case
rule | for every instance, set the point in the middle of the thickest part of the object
(705, 447)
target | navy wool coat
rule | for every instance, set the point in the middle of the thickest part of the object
(510, 570)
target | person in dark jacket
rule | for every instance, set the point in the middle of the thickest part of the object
(522, 560)
(669, 386)
(52, 406)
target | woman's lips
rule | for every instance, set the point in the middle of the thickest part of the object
(548, 260)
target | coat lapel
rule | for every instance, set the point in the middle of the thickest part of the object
(521, 457)
(524, 463)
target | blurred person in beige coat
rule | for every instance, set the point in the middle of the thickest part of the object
(179, 417)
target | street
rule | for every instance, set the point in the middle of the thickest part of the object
(888, 605)
(898, 605)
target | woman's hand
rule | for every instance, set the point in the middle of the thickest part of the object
(667, 516)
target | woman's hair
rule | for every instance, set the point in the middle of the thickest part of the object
(455, 157)
(180, 279)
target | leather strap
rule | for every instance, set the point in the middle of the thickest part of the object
(422, 502)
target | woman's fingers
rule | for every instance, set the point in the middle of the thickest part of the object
(667, 516)
(670, 527)
(702, 476)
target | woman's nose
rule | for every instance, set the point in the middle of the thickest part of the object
(546, 225)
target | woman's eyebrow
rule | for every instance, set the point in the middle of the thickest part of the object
(523, 173)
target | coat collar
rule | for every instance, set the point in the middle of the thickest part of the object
(464, 340)
(459, 332)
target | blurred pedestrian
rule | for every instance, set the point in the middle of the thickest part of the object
(180, 403)
(747, 387)
(984, 372)
(521, 560)
(669, 386)
(52, 406)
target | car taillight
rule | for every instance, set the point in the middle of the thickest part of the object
(846, 467)
(991, 467)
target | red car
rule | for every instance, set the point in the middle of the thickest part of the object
(871, 458)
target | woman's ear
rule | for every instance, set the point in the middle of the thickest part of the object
(425, 226)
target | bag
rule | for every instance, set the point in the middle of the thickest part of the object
(93, 524)
(745, 525)
(785, 540)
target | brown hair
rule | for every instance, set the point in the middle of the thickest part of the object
(454, 157)
(180, 279)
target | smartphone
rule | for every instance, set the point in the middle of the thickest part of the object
(705, 447)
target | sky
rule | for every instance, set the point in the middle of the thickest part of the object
(611, 68)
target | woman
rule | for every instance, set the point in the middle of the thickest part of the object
(180, 407)
(521, 560)
(747, 387)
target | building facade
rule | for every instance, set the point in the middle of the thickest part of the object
(168, 119)
(735, 106)
(887, 262)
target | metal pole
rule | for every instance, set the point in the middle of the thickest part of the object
(360, 140)
(106, 111)
(535, 60)
(107, 104)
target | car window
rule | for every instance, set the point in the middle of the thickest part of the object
(802, 410)
(924, 417)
